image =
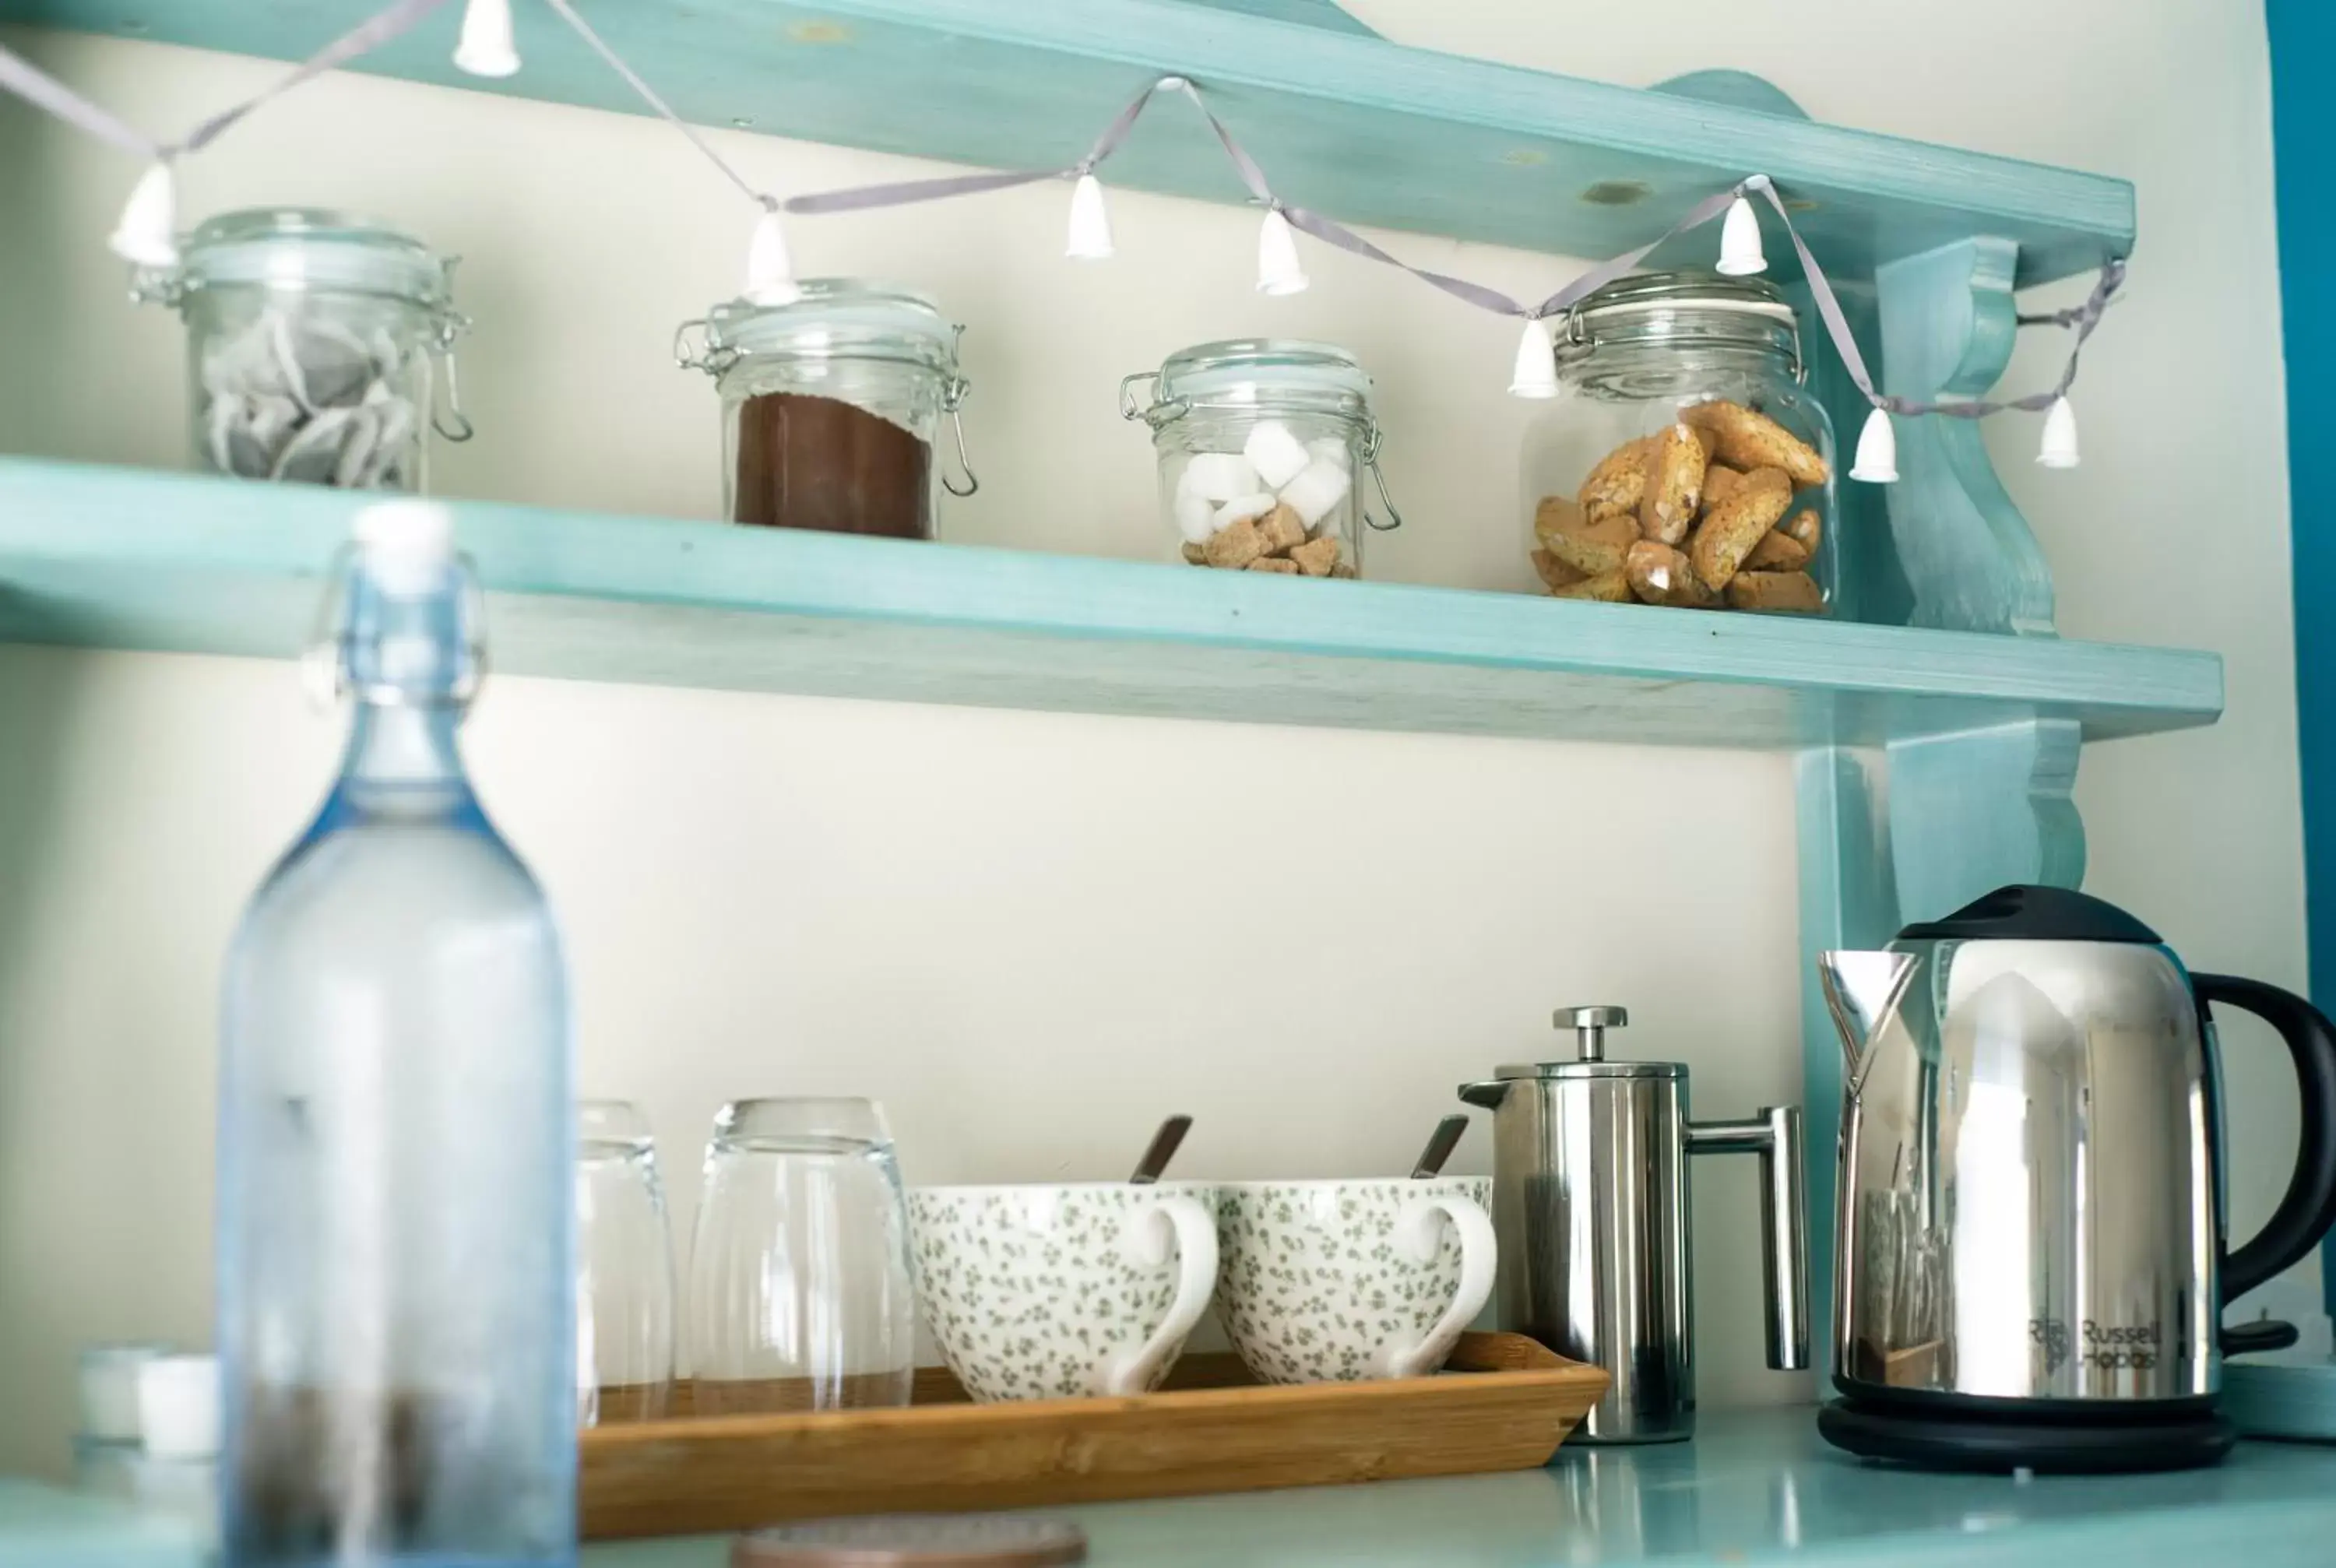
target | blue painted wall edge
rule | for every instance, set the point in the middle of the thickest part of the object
(2302, 39)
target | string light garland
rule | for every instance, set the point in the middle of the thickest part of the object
(145, 234)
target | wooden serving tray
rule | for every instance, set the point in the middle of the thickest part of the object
(1503, 1403)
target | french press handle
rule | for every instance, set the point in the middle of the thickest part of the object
(1774, 1135)
(2308, 1207)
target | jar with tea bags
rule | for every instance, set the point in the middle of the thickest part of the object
(316, 343)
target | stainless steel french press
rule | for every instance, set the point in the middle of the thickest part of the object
(1589, 1203)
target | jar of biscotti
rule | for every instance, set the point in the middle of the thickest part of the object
(1263, 444)
(831, 405)
(1685, 462)
(319, 347)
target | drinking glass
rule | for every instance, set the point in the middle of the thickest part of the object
(800, 1297)
(623, 1268)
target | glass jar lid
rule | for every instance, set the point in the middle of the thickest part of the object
(837, 319)
(1263, 370)
(1681, 310)
(314, 248)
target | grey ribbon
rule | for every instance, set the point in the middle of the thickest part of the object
(2083, 317)
(901, 193)
(46, 91)
(616, 62)
(42, 91)
(393, 22)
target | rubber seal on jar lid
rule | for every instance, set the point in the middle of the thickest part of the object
(839, 318)
(315, 249)
(915, 1541)
(1240, 369)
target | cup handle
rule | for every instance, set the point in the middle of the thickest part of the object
(1193, 1231)
(1416, 1232)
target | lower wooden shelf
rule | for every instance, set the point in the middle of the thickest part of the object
(136, 558)
(1505, 1403)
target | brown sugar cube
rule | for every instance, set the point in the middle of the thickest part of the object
(1612, 587)
(1235, 545)
(1788, 590)
(1555, 573)
(1719, 482)
(1673, 487)
(1316, 558)
(1274, 563)
(1803, 528)
(1342, 570)
(1588, 542)
(1776, 552)
(1282, 529)
(1731, 529)
(1618, 481)
(1660, 574)
(1746, 439)
(1195, 554)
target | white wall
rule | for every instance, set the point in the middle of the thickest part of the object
(1015, 928)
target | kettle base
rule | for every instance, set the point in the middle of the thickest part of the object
(1940, 1440)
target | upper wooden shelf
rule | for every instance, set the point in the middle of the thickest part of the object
(134, 559)
(1364, 130)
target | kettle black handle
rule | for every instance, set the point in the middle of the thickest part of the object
(2309, 1206)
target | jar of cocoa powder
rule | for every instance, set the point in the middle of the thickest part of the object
(831, 405)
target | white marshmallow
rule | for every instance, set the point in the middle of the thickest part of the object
(1330, 449)
(1313, 493)
(1218, 476)
(1242, 506)
(1192, 517)
(1277, 456)
(1327, 528)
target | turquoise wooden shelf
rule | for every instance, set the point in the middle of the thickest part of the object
(127, 558)
(1365, 130)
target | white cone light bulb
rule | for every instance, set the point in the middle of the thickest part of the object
(1877, 451)
(2058, 449)
(1090, 231)
(770, 273)
(1740, 255)
(1536, 374)
(1278, 269)
(146, 234)
(487, 47)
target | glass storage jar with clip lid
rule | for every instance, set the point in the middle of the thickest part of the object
(831, 401)
(1260, 444)
(314, 346)
(1685, 462)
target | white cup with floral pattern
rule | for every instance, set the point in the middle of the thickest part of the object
(1053, 1291)
(1339, 1280)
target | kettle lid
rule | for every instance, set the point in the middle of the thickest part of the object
(2026, 913)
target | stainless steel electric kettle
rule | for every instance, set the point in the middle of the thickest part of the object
(2032, 1263)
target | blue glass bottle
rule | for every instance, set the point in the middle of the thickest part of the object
(396, 1154)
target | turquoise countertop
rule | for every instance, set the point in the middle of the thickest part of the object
(1755, 1487)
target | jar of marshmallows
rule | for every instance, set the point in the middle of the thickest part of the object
(1261, 445)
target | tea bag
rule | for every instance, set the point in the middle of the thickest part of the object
(295, 396)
